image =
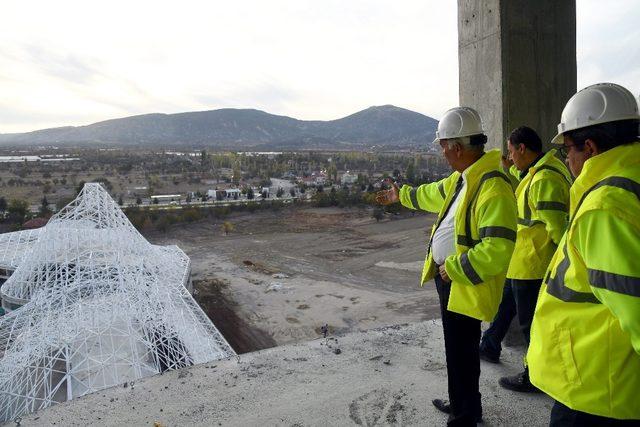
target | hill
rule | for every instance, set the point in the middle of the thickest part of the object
(240, 129)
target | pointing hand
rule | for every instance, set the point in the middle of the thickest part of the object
(387, 197)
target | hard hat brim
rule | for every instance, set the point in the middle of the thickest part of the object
(558, 139)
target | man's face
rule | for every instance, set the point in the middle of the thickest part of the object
(516, 154)
(451, 154)
(576, 156)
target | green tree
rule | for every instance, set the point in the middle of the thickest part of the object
(105, 183)
(17, 211)
(333, 197)
(203, 158)
(410, 173)
(332, 172)
(265, 182)
(44, 208)
(163, 224)
(237, 175)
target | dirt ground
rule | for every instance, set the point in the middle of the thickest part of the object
(280, 276)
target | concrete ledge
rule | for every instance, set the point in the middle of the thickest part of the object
(385, 376)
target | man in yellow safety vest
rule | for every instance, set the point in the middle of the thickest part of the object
(469, 250)
(543, 203)
(585, 337)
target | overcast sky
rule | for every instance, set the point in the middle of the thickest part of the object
(77, 62)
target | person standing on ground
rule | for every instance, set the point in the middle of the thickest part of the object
(543, 204)
(585, 337)
(469, 250)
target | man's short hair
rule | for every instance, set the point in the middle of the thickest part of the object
(606, 135)
(479, 139)
(526, 136)
(473, 142)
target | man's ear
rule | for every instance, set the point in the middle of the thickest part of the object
(457, 149)
(522, 148)
(591, 148)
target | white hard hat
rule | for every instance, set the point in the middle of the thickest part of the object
(594, 105)
(459, 122)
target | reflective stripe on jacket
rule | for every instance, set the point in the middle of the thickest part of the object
(585, 338)
(485, 227)
(543, 209)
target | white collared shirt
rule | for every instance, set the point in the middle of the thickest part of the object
(443, 242)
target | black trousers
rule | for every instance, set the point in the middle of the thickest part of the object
(461, 344)
(519, 298)
(563, 416)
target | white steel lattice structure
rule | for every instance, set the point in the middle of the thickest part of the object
(101, 306)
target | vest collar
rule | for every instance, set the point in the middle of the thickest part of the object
(604, 165)
(489, 161)
(538, 160)
(543, 160)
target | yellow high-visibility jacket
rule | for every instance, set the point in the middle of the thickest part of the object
(513, 174)
(485, 227)
(585, 337)
(543, 212)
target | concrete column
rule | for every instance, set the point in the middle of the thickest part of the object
(517, 63)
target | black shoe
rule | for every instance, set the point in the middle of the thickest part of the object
(519, 383)
(489, 357)
(444, 406)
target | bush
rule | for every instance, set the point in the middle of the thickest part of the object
(227, 227)
(163, 224)
(17, 211)
(190, 215)
(378, 213)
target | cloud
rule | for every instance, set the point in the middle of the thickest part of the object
(607, 43)
(268, 95)
(68, 67)
(38, 119)
(78, 62)
(302, 58)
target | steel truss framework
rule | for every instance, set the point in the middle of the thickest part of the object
(101, 306)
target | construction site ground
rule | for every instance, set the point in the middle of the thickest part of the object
(280, 276)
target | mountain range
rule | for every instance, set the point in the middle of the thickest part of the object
(244, 129)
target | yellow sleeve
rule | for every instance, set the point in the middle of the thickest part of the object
(426, 197)
(551, 200)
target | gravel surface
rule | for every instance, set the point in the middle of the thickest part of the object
(386, 376)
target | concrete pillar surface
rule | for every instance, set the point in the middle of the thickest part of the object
(517, 63)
